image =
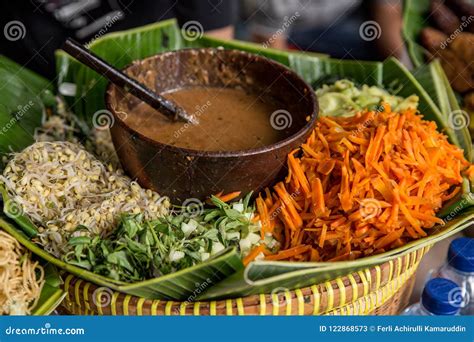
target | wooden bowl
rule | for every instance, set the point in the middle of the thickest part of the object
(181, 173)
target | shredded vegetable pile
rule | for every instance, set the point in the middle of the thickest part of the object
(60, 186)
(21, 279)
(344, 98)
(63, 125)
(362, 185)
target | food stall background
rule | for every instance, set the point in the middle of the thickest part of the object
(348, 29)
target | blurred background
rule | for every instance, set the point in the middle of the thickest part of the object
(350, 29)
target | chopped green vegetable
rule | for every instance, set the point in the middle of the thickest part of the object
(139, 249)
(343, 98)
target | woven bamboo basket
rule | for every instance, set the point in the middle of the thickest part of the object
(379, 290)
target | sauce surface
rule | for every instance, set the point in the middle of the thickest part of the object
(229, 120)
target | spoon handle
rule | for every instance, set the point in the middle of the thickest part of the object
(117, 77)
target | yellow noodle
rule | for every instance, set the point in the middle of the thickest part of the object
(21, 279)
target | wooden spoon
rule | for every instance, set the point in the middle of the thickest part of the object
(117, 77)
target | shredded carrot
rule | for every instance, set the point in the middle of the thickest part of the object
(318, 198)
(322, 237)
(228, 197)
(253, 254)
(288, 253)
(264, 218)
(362, 185)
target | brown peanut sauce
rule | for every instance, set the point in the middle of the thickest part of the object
(230, 119)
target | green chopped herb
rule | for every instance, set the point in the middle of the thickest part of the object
(138, 249)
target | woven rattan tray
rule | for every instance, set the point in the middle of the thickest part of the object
(382, 290)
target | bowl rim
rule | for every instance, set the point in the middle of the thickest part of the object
(219, 154)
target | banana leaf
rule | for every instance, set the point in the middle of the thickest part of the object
(434, 80)
(184, 284)
(50, 298)
(415, 15)
(51, 294)
(432, 76)
(36, 83)
(22, 97)
(464, 136)
(464, 199)
(313, 69)
(265, 277)
(281, 56)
